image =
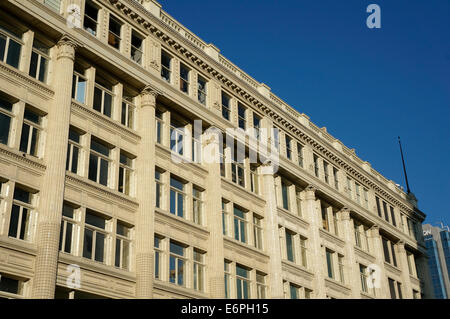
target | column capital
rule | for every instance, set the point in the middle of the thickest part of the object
(375, 230)
(401, 245)
(149, 95)
(66, 47)
(344, 213)
(310, 192)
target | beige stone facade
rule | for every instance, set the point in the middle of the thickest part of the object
(93, 204)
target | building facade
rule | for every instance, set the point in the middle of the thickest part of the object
(437, 241)
(97, 100)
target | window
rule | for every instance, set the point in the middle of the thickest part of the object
(184, 78)
(126, 174)
(68, 229)
(99, 162)
(226, 99)
(224, 218)
(254, 179)
(378, 206)
(241, 116)
(358, 193)
(335, 223)
(393, 216)
(386, 213)
(261, 285)
(227, 279)
(363, 276)
(177, 197)
(285, 195)
(158, 189)
(103, 97)
(158, 256)
(91, 18)
(288, 141)
(95, 237)
(177, 264)
(299, 202)
(294, 291)
(276, 138)
(300, 154)
(79, 84)
(166, 66)
(201, 90)
(316, 165)
(237, 165)
(10, 285)
(329, 257)
(31, 132)
(177, 137)
(303, 252)
(159, 126)
(366, 198)
(197, 205)
(290, 249)
(389, 252)
(39, 61)
(10, 46)
(349, 187)
(128, 111)
(341, 268)
(196, 148)
(199, 270)
(335, 176)
(21, 215)
(242, 283)
(136, 47)
(326, 174)
(257, 232)
(395, 289)
(240, 225)
(257, 125)
(6, 115)
(123, 246)
(325, 223)
(114, 35)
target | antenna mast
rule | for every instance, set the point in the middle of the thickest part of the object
(404, 167)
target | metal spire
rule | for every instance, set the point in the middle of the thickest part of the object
(404, 167)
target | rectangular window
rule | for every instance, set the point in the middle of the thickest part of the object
(99, 162)
(358, 193)
(128, 110)
(184, 78)
(199, 270)
(257, 232)
(177, 264)
(159, 126)
(288, 141)
(335, 223)
(6, 115)
(393, 216)
(95, 237)
(387, 256)
(303, 252)
(103, 98)
(201, 90)
(227, 279)
(329, 257)
(68, 229)
(177, 197)
(31, 132)
(254, 179)
(261, 285)
(79, 84)
(166, 66)
(197, 205)
(177, 137)
(386, 213)
(358, 241)
(242, 283)
(115, 30)
(341, 268)
(226, 107)
(336, 179)
(366, 198)
(242, 123)
(326, 174)
(158, 257)
(158, 189)
(237, 167)
(137, 48)
(392, 288)
(299, 202)
(276, 138)
(349, 187)
(316, 165)
(285, 195)
(377, 200)
(21, 215)
(40, 57)
(123, 246)
(91, 18)
(240, 225)
(257, 125)
(126, 173)
(224, 218)
(294, 291)
(394, 258)
(325, 223)
(10, 46)
(363, 276)
(290, 250)
(300, 154)
(9, 285)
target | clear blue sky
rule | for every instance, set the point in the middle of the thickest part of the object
(367, 86)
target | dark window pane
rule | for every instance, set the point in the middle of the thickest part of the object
(74, 167)
(34, 142)
(180, 272)
(22, 195)
(9, 285)
(14, 221)
(68, 243)
(104, 172)
(98, 99)
(5, 122)
(117, 258)
(43, 70)
(180, 211)
(32, 116)
(34, 64)
(87, 245)
(2, 47)
(108, 105)
(93, 168)
(99, 247)
(24, 138)
(95, 220)
(99, 147)
(14, 50)
(24, 223)
(68, 211)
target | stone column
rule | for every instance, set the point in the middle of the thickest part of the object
(403, 263)
(353, 269)
(145, 173)
(317, 262)
(381, 288)
(211, 159)
(273, 236)
(52, 192)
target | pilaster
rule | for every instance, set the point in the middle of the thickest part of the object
(403, 261)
